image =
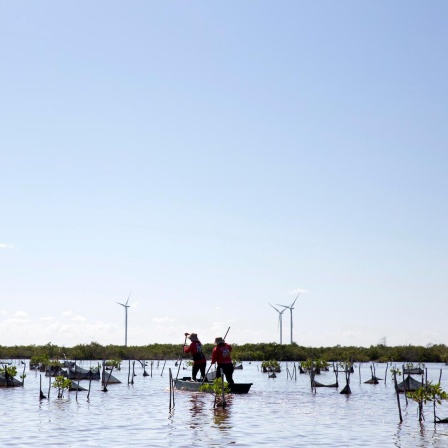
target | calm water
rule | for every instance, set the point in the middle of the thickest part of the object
(277, 412)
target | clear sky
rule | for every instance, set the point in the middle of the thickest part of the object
(214, 157)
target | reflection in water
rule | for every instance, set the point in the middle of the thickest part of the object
(221, 417)
(196, 409)
(280, 413)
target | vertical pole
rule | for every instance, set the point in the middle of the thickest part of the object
(171, 385)
(90, 384)
(163, 367)
(398, 397)
(223, 396)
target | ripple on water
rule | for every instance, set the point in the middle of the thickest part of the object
(276, 412)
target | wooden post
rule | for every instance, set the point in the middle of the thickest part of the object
(359, 368)
(163, 367)
(23, 374)
(398, 396)
(129, 369)
(41, 395)
(223, 395)
(171, 385)
(90, 384)
(440, 376)
(49, 386)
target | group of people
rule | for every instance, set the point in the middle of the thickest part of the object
(220, 356)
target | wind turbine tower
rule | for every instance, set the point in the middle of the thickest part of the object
(126, 306)
(280, 314)
(290, 307)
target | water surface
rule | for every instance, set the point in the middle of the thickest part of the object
(280, 412)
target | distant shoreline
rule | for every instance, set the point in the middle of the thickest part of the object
(241, 352)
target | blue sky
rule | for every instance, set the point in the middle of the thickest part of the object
(216, 157)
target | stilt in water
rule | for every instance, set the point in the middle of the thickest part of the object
(90, 384)
(171, 390)
(133, 372)
(41, 395)
(398, 396)
(346, 390)
(23, 374)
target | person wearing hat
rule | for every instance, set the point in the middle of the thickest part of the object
(221, 355)
(199, 361)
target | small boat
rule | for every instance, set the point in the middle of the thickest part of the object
(193, 386)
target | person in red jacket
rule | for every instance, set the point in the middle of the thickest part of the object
(199, 361)
(221, 355)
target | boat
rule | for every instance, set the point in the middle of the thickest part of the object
(193, 386)
(238, 366)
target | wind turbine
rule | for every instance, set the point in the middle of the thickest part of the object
(290, 307)
(126, 306)
(280, 313)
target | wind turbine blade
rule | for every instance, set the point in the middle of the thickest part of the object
(274, 308)
(128, 297)
(285, 306)
(121, 304)
(295, 300)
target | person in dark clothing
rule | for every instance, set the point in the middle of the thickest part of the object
(221, 355)
(195, 349)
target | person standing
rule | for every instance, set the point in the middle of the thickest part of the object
(221, 355)
(199, 361)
